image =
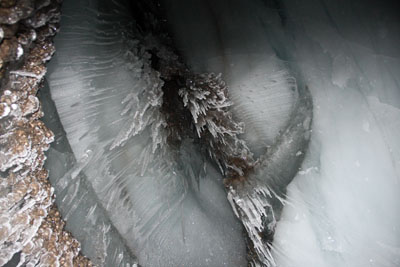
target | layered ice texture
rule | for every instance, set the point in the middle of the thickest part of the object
(125, 194)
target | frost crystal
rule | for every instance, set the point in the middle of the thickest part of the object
(206, 96)
(143, 104)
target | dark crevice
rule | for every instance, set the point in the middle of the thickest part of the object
(279, 6)
(177, 75)
(14, 260)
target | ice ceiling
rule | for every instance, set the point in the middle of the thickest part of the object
(129, 195)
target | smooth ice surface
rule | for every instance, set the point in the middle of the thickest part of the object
(168, 205)
(345, 202)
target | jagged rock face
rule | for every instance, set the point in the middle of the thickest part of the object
(31, 229)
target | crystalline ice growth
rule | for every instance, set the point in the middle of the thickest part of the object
(343, 205)
(144, 199)
(166, 204)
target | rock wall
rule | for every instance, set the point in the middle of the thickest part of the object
(31, 229)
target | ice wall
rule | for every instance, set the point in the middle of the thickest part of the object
(346, 200)
(233, 42)
(344, 204)
(76, 199)
(168, 205)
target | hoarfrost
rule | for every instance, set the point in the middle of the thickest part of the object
(206, 96)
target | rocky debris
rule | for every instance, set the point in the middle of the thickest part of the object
(30, 224)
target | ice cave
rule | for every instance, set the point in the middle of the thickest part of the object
(200, 133)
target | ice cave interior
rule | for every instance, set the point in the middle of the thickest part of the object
(150, 100)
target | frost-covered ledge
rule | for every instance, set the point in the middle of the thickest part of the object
(31, 229)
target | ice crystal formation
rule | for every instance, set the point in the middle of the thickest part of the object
(259, 198)
(143, 107)
(206, 96)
